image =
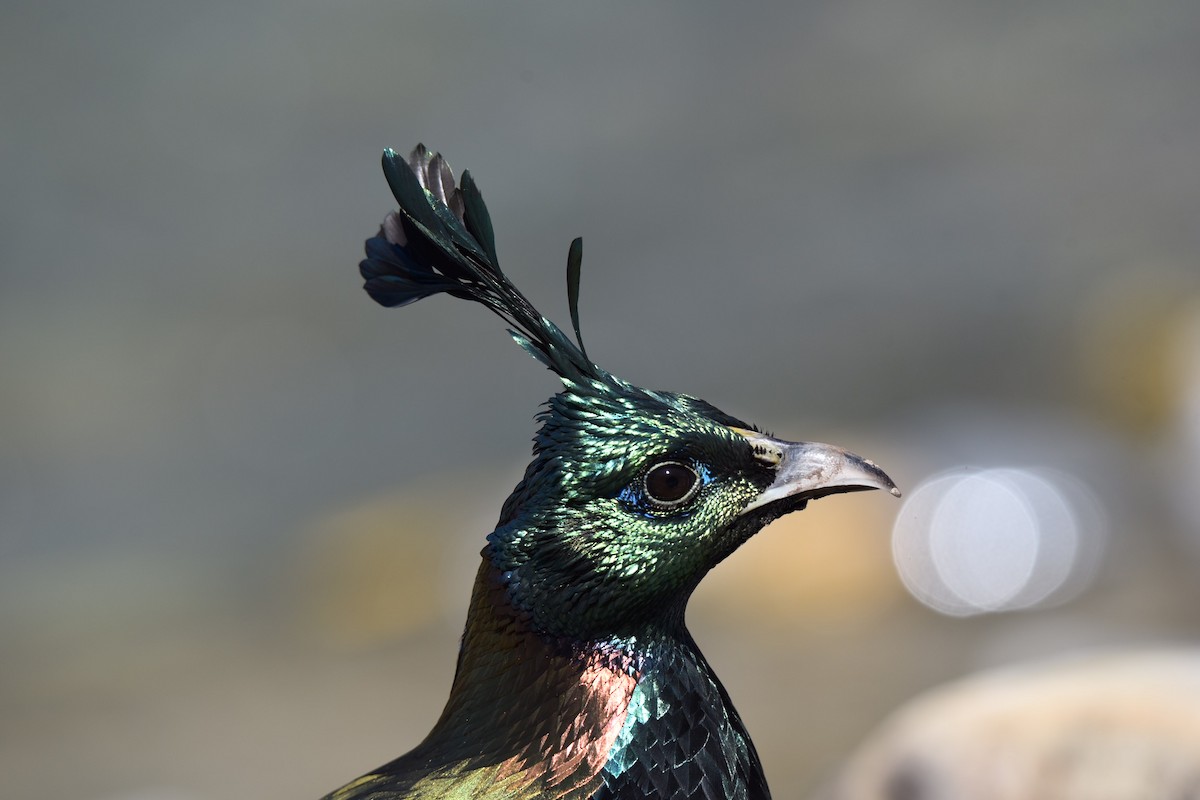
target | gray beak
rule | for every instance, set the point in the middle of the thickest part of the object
(808, 470)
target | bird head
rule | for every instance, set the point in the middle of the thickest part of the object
(633, 495)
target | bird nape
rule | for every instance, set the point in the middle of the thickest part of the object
(577, 677)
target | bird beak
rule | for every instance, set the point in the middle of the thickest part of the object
(807, 470)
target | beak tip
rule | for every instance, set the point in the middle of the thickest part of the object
(884, 482)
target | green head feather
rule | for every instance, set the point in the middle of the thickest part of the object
(632, 495)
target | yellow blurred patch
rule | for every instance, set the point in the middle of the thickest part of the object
(371, 573)
(1130, 332)
(830, 564)
(397, 563)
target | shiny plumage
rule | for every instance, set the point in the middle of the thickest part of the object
(577, 677)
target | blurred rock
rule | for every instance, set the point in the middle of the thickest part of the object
(1116, 727)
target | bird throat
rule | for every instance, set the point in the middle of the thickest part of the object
(539, 717)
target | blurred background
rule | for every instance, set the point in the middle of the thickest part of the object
(241, 505)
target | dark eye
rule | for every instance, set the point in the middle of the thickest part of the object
(670, 483)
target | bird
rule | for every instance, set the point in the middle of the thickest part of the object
(576, 676)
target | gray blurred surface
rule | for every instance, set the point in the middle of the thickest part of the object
(934, 232)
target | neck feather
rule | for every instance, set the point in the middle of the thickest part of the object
(536, 717)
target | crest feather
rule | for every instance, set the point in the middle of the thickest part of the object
(440, 241)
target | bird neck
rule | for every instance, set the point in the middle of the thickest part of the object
(569, 718)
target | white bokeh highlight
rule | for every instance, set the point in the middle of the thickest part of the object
(971, 541)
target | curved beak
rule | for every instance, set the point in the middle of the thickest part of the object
(807, 470)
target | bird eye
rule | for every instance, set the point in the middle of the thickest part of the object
(670, 484)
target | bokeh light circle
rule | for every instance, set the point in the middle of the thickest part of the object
(972, 541)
